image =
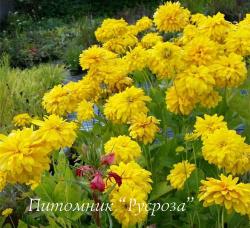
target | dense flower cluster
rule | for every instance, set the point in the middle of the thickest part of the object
(125, 73)
(136, 185)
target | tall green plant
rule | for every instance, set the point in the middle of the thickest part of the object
(22, 91)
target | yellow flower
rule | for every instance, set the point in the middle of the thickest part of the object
(111, 28)
(226, 149)
(226, 192)
(144, 128)
(205, 126)
(198, 18)
(216, 27)
(124, 148)
(58, 101)
(143, 24)
(95, 56)
(22, 120)
(85, 111)
(179, 104)
(23, 156)
(125, 206)
(194, 81)
(132, 175)
(171, 17)
(56, 131)
(229, 71)
(210, 100)
(180, 173)
(7, 212)
(238, 41)
(136, 59)
(121, 44)
(165, 60)
(116, 76)
(150, 40)
(3, 180)
(200, 51)
(123, 106)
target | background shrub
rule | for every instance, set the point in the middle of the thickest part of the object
(22, 91)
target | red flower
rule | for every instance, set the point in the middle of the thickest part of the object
(82, 170)
(97, 183)
(118, 179)
(108, 159)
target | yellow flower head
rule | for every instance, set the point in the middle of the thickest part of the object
(124, 148)
(7, 212)
(95, 56)
(24, 156)
(143, 24)
(200, 51)
(226, 192)
(180, 173)
(210, 100)
(216, 27)
(194, 81)
(165, 60)
(198, 18)
(123, 106)
(121, 44)
(22, 120)
(226, 149)
(132, 175)
(85, 111)
(144, 128)
(179, 103)
(58, 101)
(136, 58)
(205, 126)
(171, 17)
(111, 28)
(150, 40)
(56, 131)
(125, 206)
(238, 41)
(229, 71)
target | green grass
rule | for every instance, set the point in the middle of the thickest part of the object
(22, 90)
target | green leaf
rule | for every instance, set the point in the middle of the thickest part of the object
(159, 190)
(22, 224)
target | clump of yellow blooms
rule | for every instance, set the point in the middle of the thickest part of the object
(136, 185)
(144, 128)
(206, 56)
(22, 120)
(56, 131)
(124, 106)
(226, 192)
(85, 111)
(124, 149)
(180, 173)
